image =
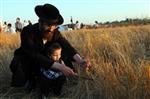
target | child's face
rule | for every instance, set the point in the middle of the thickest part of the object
(56, 54)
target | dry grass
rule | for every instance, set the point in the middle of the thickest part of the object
(120, 59)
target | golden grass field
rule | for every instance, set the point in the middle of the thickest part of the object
(120, 59)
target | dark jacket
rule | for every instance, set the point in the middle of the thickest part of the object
(30, 54)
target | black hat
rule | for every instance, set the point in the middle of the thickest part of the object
(49, 13)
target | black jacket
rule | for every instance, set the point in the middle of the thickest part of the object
(32, 46)
(29, 56)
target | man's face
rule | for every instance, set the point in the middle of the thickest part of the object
(47, 29)
(56, 55)
(17, 20)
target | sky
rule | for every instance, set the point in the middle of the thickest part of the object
(85, 11)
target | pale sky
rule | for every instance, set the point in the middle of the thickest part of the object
(85, 11)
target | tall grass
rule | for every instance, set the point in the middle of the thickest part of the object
(120, 59)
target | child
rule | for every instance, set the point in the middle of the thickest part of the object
(53, 80)
(54, 53)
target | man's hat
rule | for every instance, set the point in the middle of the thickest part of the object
(49, 13)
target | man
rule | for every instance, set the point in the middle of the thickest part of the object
(34, 38)
(18, 25)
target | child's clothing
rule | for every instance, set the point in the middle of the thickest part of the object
(52, 74)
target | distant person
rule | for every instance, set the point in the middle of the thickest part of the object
(96, 25)
(77, 25)
(29, 22)
(18, 25)
(4, 27)
(81, 25)
(71, 20)
(25, 23)
(10, 29)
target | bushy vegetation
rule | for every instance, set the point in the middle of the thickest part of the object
(120, 59)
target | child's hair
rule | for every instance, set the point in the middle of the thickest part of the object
(50, 49)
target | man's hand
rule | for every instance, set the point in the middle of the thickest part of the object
(64, 69)
(67, 71)
(85, 63)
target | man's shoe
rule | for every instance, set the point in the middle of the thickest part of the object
(29, 86)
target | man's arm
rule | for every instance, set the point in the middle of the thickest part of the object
(71, 51)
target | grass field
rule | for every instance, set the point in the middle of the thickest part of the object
(120, 59)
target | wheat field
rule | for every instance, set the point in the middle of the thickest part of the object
(120, 64)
